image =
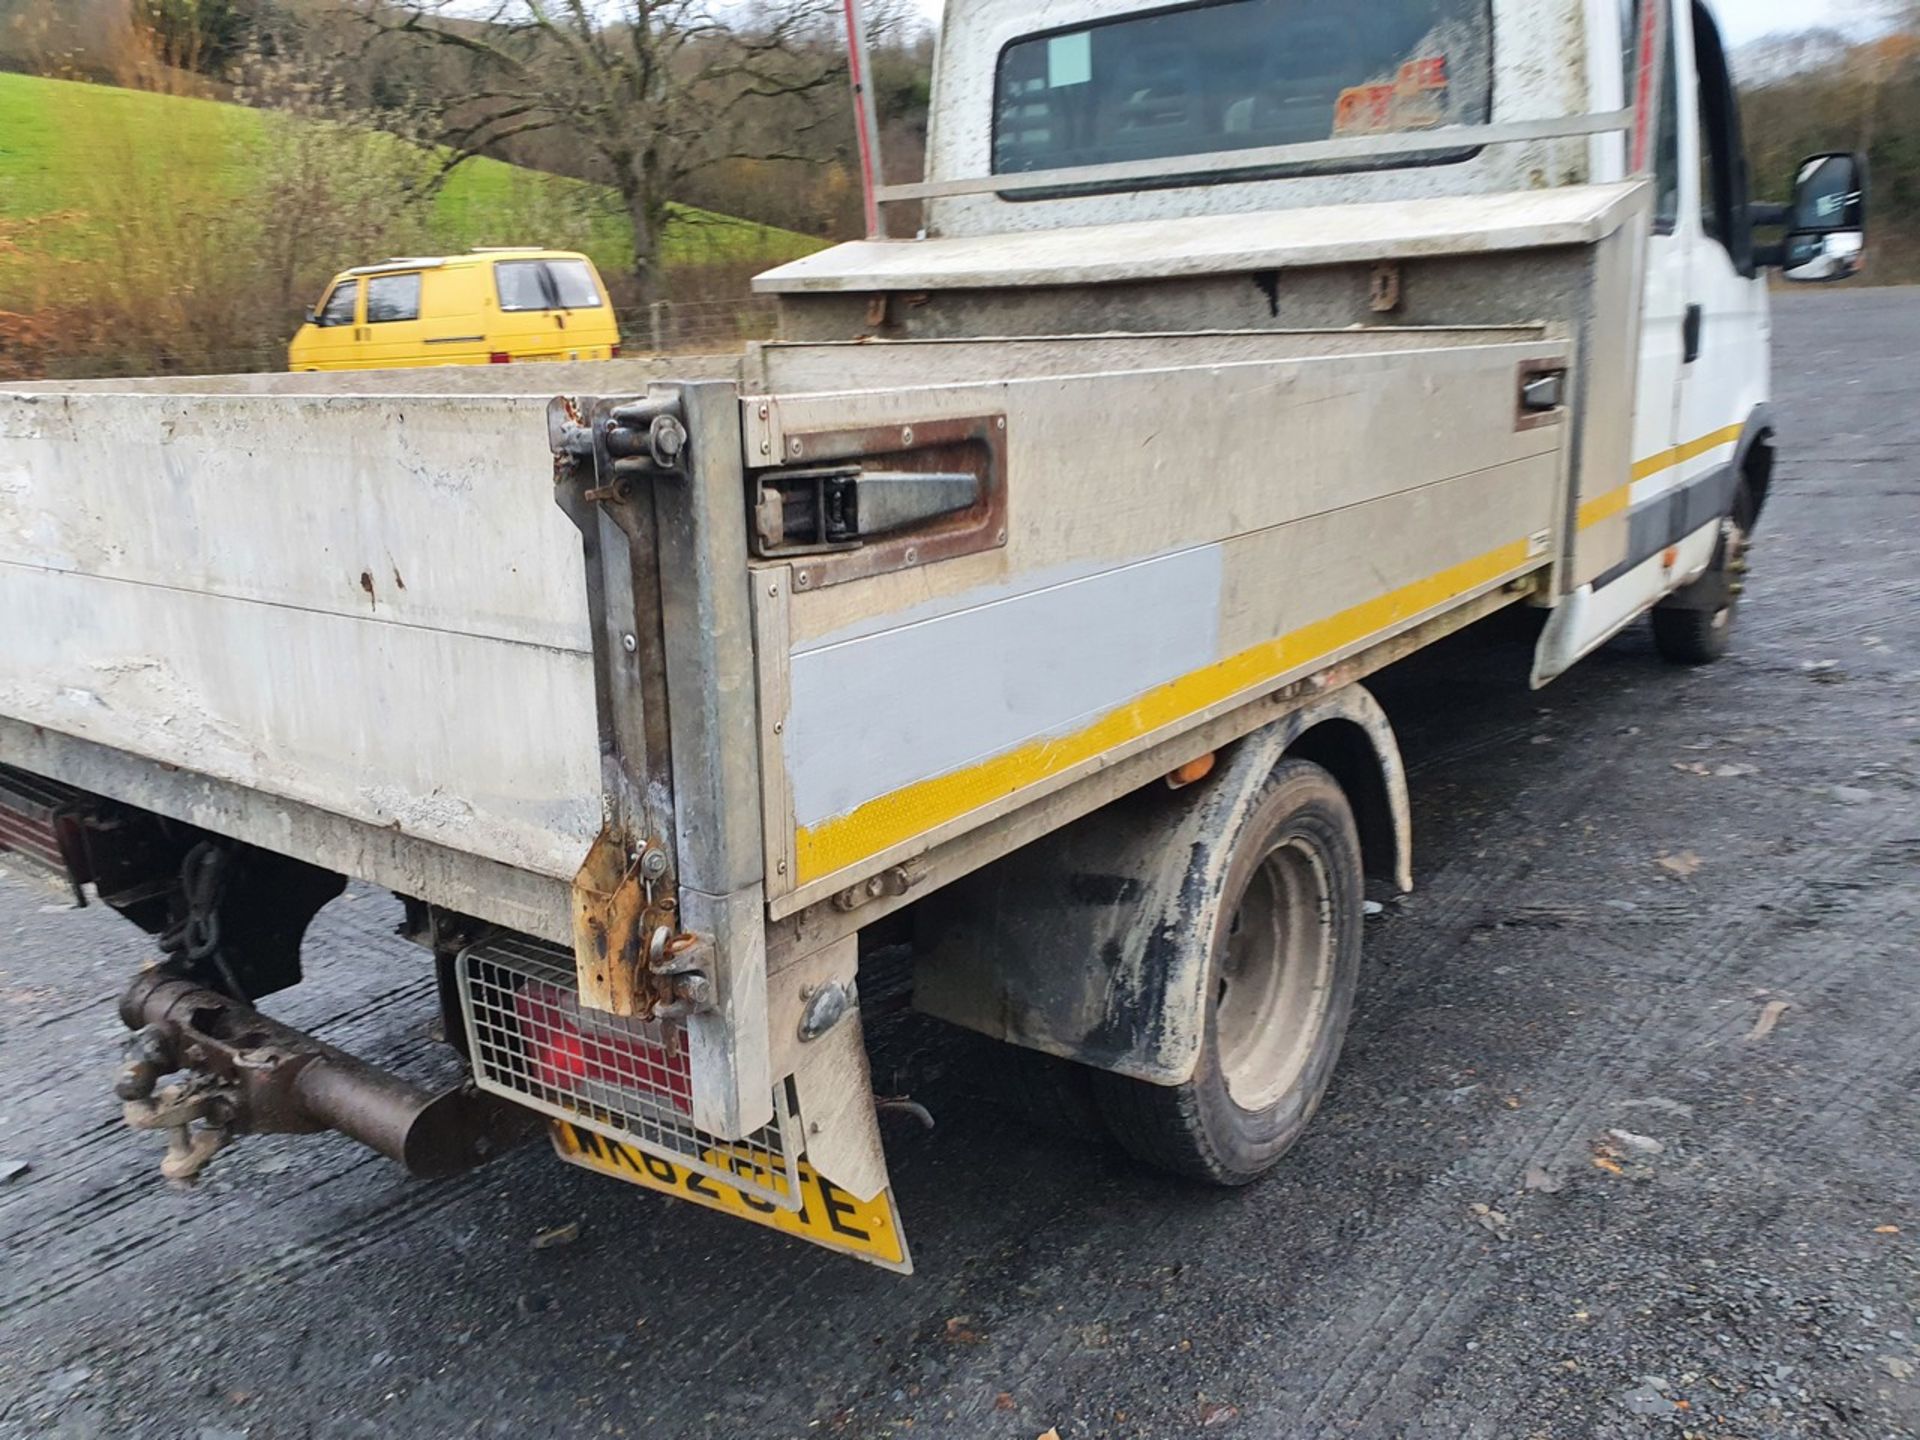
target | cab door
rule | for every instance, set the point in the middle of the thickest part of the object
(331, 339)
(392, 326)
(1617, 584)
(1664, 322)
(1724, 376)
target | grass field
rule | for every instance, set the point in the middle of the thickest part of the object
(71, 153)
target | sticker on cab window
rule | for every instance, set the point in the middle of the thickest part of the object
(1415, 99)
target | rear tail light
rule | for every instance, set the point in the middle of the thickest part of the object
(613, 351)
(572, 1052)
(499, 357)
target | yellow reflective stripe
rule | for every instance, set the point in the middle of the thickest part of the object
(1680, 454)
(1605, 507)
(891, 819)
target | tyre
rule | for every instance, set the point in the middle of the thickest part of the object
(1283, 957)
(1696, 626)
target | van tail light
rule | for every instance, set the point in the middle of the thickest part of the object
(613, 351)
(499, 357)
(577, 1053)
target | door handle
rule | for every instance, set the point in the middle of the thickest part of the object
(1690, 335)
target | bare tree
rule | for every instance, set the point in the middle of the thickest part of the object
(655, 90)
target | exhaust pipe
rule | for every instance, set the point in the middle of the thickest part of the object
(249, 1074)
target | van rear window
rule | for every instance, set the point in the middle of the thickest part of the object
(545, 285)
(1241, 75)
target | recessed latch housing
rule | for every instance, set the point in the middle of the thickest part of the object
(846, 504)
(801, 512)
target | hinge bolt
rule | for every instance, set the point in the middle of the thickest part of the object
(629, 644)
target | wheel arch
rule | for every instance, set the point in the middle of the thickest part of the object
(1753, 458)
(1066, 945)
(1359, 751)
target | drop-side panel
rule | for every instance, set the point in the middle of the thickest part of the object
(370, 606)
(1180, 539)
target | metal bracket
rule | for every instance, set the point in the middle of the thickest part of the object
(605, 454)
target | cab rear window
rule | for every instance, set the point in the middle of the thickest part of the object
(1241, 75)
(545, 285)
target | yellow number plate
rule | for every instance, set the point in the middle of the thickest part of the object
(828, 1215)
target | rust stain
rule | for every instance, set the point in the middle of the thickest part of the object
(611, 924)
(366, 584)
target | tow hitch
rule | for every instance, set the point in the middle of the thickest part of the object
(249, 1074)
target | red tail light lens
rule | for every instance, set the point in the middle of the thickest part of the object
(499, 357)
(570, 1050)
(613, 351)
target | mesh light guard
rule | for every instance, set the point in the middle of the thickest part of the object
(630, 1080)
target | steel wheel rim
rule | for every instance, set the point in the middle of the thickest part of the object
(1274, 979)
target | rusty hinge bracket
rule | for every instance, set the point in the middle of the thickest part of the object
(623, 894)
(630, 955)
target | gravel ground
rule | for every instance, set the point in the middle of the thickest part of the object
(1563, 1185)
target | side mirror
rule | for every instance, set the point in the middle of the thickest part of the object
(1827, 221)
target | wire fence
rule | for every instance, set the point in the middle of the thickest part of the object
(697, 324)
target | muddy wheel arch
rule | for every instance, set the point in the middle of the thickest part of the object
(1062, 946)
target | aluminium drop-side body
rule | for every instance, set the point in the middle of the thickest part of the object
(1093, 480)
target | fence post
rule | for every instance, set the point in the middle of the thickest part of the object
(658, 313)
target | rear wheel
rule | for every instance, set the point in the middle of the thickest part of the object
(1284, 956)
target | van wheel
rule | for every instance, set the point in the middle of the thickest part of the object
(1690, 630)
(1284, 956)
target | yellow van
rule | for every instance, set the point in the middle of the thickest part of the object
(489, 307)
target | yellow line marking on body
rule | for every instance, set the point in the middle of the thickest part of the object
(1605, 507)
(891, 819)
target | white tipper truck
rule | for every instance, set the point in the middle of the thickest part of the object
(1019, 596)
